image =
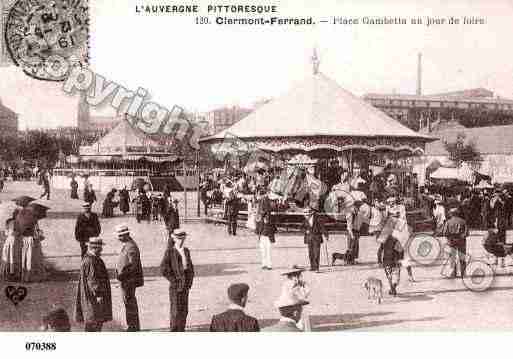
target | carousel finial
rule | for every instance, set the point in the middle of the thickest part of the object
(315, 61)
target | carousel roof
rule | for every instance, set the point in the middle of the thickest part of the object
(124, 134)
(318, 107)
(124, 139)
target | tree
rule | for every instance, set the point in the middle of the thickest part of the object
(462, 150)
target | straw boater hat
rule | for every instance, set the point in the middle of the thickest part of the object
(86, 205)
(294, 271)
(95, 242)
(289, 299)
(122, 229)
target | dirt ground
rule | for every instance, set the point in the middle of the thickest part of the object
(338, 300)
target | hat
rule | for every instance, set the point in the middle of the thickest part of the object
(86, 205)
(122, 229)
(23, 201)
(289, 299)
(237, 291)
(294, 271)
(453, 210)
(95, 242)
(179, 234)
(38, 206)
(438, 198)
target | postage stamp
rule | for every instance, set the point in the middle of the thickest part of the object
(37, 30)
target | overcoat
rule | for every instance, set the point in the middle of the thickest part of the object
(93, 283)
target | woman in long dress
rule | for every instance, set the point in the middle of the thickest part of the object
(10, 267)
(26, 225)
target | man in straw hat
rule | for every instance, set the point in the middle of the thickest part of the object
(456, 231)
(234, 319)
(314, 231)
(93, 304)
(290, 307)
(177, 268)
(87, 226)
(129, 272)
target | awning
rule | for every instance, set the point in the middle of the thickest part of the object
(463, 173)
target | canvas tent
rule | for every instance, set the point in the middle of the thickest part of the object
(319, 114)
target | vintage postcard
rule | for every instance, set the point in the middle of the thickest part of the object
(255, 166)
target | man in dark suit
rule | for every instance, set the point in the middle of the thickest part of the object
(291, 309)
(497, 219)
(232, 212)
(87, 226)
(313, 230)
(129, 272)
(234, 319)
(170, 214)
(178, 269)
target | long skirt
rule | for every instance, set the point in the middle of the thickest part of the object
(10, 267)
(32, 261)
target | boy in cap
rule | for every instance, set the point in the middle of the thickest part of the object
(456, 231)
(390, 254)
(177, 268)
(93, 303)
(234, 319)
(129, 272)
(86, 226)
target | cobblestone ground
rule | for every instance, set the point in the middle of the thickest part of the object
(338, 301)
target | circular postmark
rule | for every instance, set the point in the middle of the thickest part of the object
(39, 31)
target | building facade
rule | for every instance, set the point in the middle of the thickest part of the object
(472, 108)
(8, 121)
(224, 117)
(493, 143)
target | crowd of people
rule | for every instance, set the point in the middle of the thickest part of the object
(365, 213)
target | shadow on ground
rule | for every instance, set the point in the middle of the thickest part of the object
(200, 270)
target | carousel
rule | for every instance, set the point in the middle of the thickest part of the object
(319, 131)
(122, 157)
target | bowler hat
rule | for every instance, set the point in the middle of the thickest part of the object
(237, 291)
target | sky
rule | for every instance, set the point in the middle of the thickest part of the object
(200, 67)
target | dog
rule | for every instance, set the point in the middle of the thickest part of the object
(345, 257)
(374, 288)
